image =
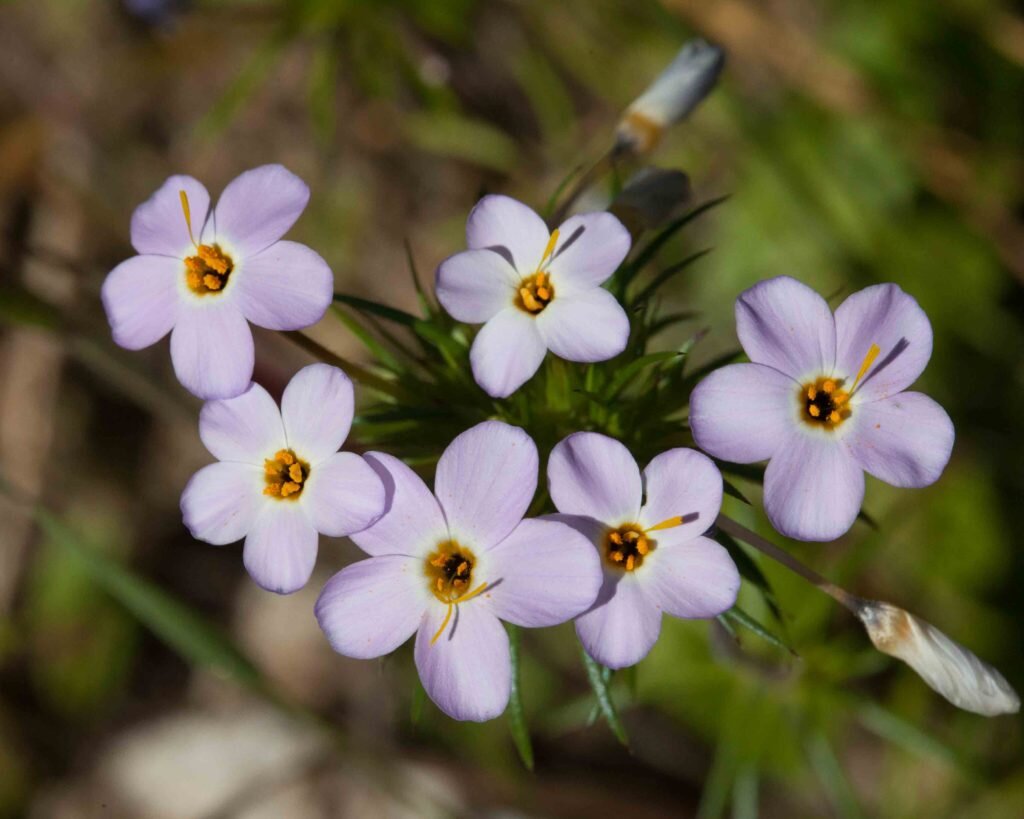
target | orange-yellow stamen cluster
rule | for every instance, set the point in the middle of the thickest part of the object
(535, 292)
(627, 546)
(208, 270)
(450, 570)
(825, 403)
(285, 475)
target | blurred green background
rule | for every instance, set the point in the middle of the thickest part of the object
(142, 673)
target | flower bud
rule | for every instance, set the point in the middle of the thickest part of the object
(671, 97)
(948, 667)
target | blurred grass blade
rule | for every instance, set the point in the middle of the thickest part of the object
(667, 274)
(377, 309)
(749, 570)
(740, 617)
(419, 699)
(887, 725)
(375, 348)
(599, 682)
(516, 717)
(178, 626)
(634, 368)
(834, 783)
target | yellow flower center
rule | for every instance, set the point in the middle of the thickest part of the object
(449, 570)
(535, 292)
(206, 271)
(285, 474)
(825, 404)
(626, 547)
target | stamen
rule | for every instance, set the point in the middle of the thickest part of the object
(616, 538)
(188, 214)
(829, 386)
(671, 523)
(873, 352)
(531, 303)
(548, 250)
(812, 392)
(814, 410)
(448, 615)
(617, 556)
(630, 561)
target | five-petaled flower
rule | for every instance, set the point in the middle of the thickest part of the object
(280, 478)
(823, 401)
(450, 566)
(534, 291)
(202, 273)
(649, 531)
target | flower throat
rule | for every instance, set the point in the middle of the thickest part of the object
(210, 268)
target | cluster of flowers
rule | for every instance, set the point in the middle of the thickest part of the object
(823, 400)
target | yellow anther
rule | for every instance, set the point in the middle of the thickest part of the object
(440, 584)
(272, 489)
(549, 249)
(188, 214)
(544, 293)
(295, 473)
(539, 279)
(671, 523)
(814, 410)
(617, 556)
(211, 282)
(615, 538)
(829, 386)
(834, 416)
(285, 457)
(630, 561)
(531, 303)
(642, 547)
(439, 561)
(463, 568)
(873, 352)
(289, 488)
(812, 392)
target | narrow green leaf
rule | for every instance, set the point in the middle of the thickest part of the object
(667, 274)
(909, 737)
(516, 717)
(666, 321)
(599, 683)
(425, 304)
(377, 349)
(377, 309)
(749, 570)
(650, 250)
(549, 208)
(419, 699)
(180, 627)
(622, 378)
(739, 616)
(730, 489)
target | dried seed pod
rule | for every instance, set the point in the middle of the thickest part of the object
(944, 664)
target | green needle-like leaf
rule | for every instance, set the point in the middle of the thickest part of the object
(596, 675)
(516, 717)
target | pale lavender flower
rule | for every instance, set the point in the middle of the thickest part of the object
(201, 274)
(534, 291)
(823, 402)
(280, 479)
(449, 566)
(649, 531)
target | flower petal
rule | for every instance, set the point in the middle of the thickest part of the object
(886, 316)
(467, 672)
(506, 352)
(140, 297)
(681, 483)
(904, 440)
(258, 207)
(485, 481)
(509, 227)
(413, 523)
(212, 350)
(591, 246)
(246, 428)
(343, 495)
(587, 326)
(475, 285)
(221, 501)
(595, 476)
(542, 574)
(741, 412)
(287, 286)
(158, 224)
(785, 324)
(696, 579)
(280, 549)
(813, 487)
(622, 626)
(370, 608)
(317, 408)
